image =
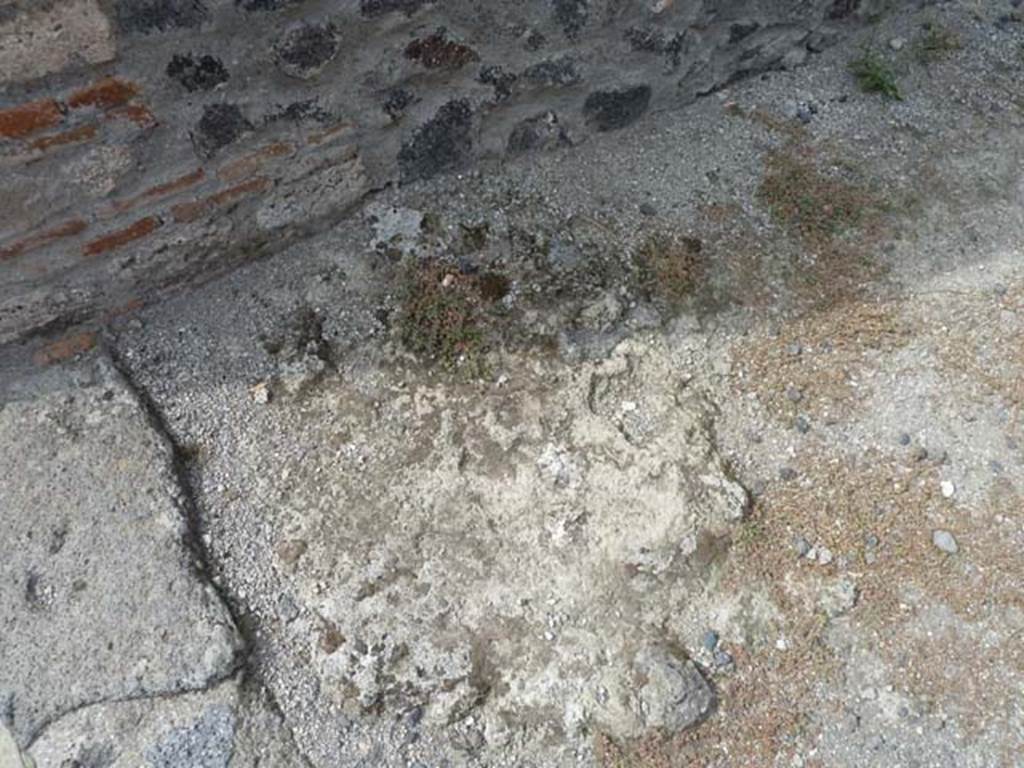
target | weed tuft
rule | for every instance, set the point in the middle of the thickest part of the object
(443, 313)
(937, 43)
(671, 268)
(874, 75)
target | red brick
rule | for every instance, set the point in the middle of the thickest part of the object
(188, 212)
(30, 243)
(250, 164)
(105, 94)
(185, 213)
(22, 121)
(121, 237)
(66, 348)
(136, 113)
(162, 190)
(72, 136)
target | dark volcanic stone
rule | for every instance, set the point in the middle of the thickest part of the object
(220, 125)
(444, 143)
(560, 71)
(305, 49)
(535, 41)
(197, 74)
(437, 50)
(147, 16)
(538, 132)
(265, 5)
(742, 30)
(397, 100)
(374, 8)
(654, 41)
(842, 8)
(500, 78)
(611, 110)
(300, 111)
(571, 16)
(650, 40)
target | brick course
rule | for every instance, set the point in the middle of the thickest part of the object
(19, 122)
(122, 237)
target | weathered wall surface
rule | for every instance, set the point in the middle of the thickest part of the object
(144, 143)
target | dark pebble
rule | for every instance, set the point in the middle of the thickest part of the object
(904, 439)
(787, 474)
(710, 640)
(648, 210)
(413, 717)
(803, 426)
(615, 109)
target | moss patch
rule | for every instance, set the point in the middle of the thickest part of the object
(671, 268)
(445, 315)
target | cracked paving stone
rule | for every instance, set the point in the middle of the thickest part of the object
(96, 565)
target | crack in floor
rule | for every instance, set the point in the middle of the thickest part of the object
(245, 666)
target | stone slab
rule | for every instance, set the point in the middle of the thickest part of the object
(99, 597)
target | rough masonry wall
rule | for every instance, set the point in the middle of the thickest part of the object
(147, 143)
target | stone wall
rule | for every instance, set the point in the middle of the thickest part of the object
(147, 143)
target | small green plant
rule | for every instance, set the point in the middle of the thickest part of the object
(751, 533)
(443, 313)
(874, 75)
(937, 43)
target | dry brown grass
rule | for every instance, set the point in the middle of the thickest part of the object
(842, 504)
(774, 697)
(671, 268)
(823, 356)
(985, 345)
(833, 217)
(849, 504)
(814, 200)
